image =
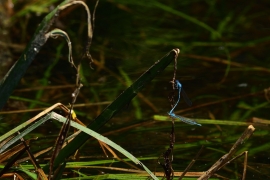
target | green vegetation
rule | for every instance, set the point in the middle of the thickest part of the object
(223, 66)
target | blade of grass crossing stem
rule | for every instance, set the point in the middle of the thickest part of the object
(103, 139)
(25, 132)
(115, 106)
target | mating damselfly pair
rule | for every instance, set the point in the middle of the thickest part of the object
(171, 113)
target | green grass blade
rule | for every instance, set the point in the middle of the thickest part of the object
(30, 174)
(206, 121)
(135, 102)
(26, 131)
(116, 105)
(18, 128)
(164, 7)
(103, 139)
(29, 100)
(12, 78)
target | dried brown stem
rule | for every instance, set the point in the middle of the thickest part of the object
(227, 157)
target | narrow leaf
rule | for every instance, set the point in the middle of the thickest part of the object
(116, 106)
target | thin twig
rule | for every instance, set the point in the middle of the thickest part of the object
(227, 157)
(94, 16)
(226, 62)
(64, 130)
(167, 165)
(175, 68)
(89, 25)
(219, 101)
(41, 174)
(45, 108)
(191, 164)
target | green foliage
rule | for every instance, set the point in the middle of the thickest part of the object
(223, 67)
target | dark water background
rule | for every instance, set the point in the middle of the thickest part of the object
(224, 54)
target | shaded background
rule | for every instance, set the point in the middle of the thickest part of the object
(223, 66)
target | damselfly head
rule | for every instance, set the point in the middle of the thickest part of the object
(177, 84)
